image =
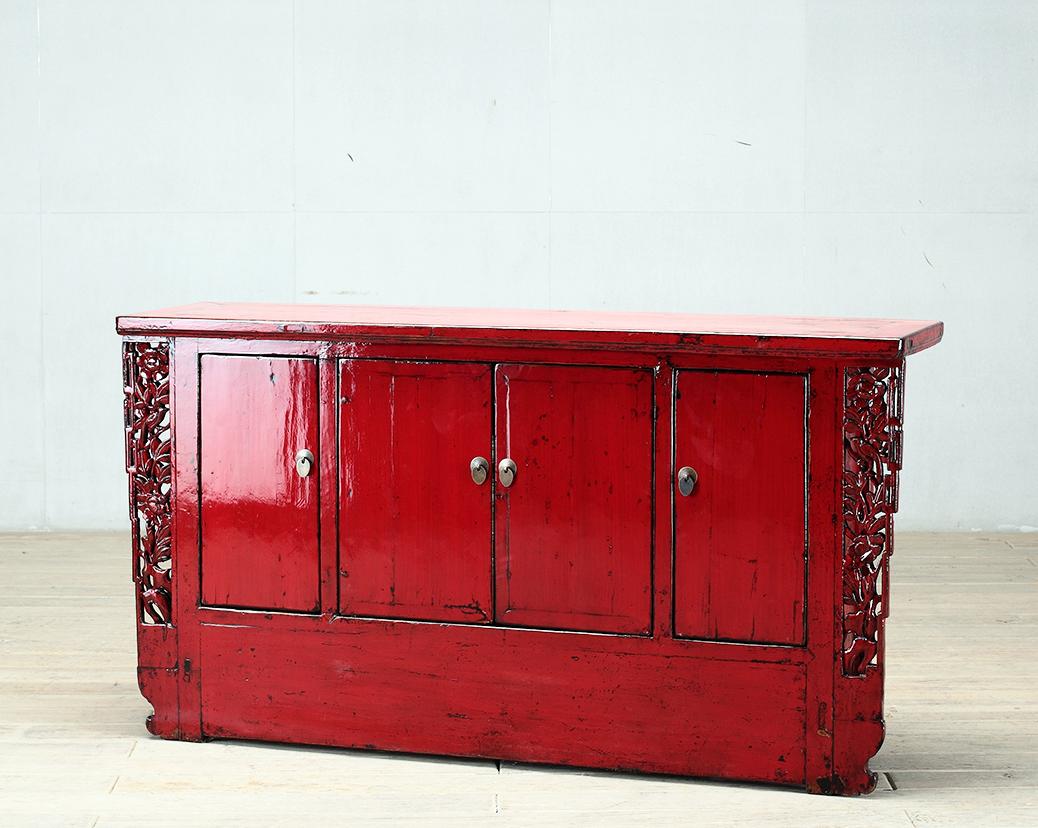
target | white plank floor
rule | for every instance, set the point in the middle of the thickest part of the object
(961, 748)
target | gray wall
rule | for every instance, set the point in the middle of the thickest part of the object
(870, 158)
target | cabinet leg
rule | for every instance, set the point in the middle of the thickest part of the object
(159, 686)
(163, 682)
(858, 734)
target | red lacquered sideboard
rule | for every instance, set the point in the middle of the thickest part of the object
(651, 542)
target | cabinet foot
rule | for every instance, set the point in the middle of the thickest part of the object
(158, 685)
(859, 732)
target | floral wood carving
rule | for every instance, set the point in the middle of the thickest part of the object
(872, 458)
(148, 462)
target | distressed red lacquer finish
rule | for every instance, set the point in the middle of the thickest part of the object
(740, 559)
(642, 542)
(574, 537)
(409, 433)
(545, 697)
(259, 515)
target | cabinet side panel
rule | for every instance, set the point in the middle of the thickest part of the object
(740, 539)
(259, 515)
(872, 417)
(148, 422)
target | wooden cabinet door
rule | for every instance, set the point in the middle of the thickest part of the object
(574, 530)
(414, 526)
(258, 514)
(740, 536)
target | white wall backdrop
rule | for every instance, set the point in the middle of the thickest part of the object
(781, 156)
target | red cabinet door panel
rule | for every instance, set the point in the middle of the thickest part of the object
(258, 515)
(574, 531)
(740, 537)
(414, 527)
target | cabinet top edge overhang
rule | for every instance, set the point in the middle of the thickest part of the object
(816, 336)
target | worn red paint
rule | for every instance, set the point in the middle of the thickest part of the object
(587, 615)
(408, 432)
(259, 518)
(574, 531)
(741, 536)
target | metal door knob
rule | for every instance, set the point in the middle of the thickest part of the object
(304, 462)
(479, 468)
(506, 470)
(687, 479)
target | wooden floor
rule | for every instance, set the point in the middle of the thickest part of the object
(961, 748)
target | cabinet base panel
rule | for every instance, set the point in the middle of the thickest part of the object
(577, 700)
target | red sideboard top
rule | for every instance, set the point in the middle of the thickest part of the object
(888, 338)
